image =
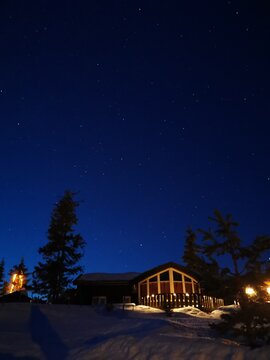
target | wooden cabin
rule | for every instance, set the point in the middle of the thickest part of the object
(102, 288)
(167, 285)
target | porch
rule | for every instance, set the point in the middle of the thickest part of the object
(161, 301)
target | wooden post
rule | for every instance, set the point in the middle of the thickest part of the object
(158, 284)
(171, 281)
(184, 284)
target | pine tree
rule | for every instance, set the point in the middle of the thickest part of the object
(258, 263)
(53, 276)
(206, 268)
(224, 240)
(191, 252)
(2, 276)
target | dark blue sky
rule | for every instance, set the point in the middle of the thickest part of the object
(157, 112)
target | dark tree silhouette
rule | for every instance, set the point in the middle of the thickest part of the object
(2, 276)
(206, 267)
(248, 262)
(53, 276)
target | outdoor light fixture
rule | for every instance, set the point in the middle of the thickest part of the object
(250, 291)
(267, 284)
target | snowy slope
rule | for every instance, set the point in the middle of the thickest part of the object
(82, 332)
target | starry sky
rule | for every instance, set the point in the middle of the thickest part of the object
(156, 112)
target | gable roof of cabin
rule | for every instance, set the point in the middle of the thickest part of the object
(132, 277)
(162, 267)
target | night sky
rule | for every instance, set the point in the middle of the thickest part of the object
(156, 112)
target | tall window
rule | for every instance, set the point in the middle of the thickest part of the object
(164, 282)
(178, 285)
(188, 284)
(143, 289)
(153, 286)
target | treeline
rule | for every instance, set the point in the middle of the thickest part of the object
(245, 281)
(247, 264)
(52, 276)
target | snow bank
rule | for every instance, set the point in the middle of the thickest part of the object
(30, 331)
(216, 314)
(193, 311)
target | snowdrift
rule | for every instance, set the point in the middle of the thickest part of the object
(31, 331)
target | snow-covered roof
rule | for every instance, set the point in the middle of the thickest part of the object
(108, 276)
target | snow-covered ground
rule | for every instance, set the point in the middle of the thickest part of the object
(29, 331)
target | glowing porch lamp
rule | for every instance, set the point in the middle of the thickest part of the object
(267, 283)
(250, 291)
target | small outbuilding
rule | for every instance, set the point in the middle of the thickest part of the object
(15, 297)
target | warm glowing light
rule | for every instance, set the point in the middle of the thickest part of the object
(268, 290)
(187, 294)
(250, 291)
(153, 295)
(17, 282)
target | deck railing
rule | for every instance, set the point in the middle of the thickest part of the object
(200, 301)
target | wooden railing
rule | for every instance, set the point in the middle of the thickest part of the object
(200, 301)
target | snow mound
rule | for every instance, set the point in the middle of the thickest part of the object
(193, 311)
(216, 314)
(147, 309)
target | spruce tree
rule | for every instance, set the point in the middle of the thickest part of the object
(2, 276)
(249, 263)
(60, 256)
(192, 252)
(206, 267)
(224, 240)
(258, 263)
